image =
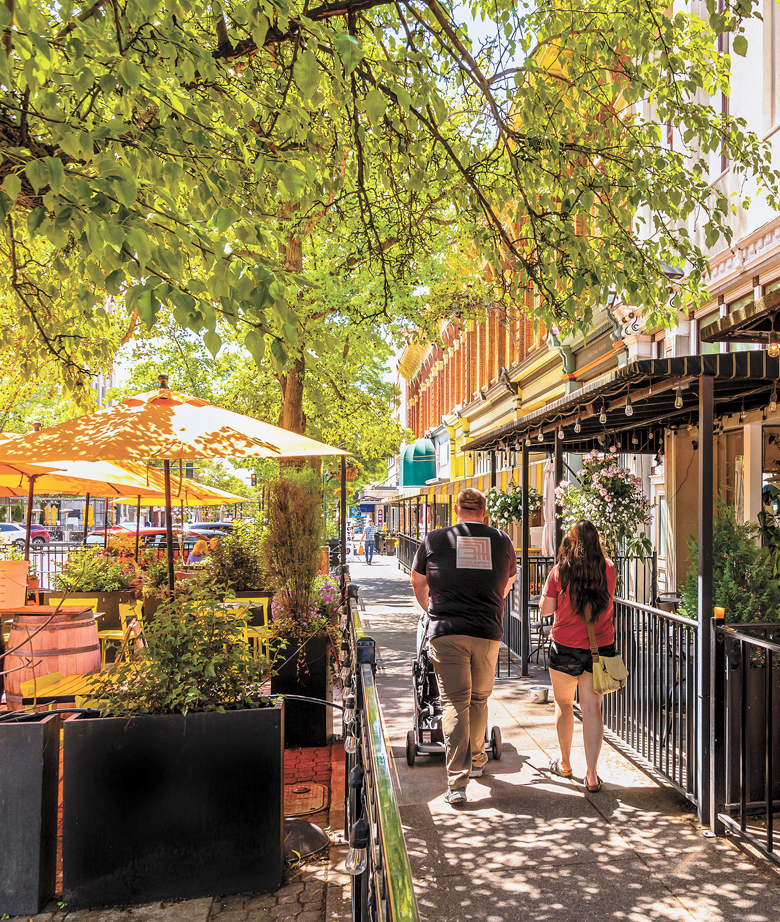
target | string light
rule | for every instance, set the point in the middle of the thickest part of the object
(678, 400)
(603, 414)
(560, 433)
(774, 346)
(528, 440)
(773, 400)
(629, 407)
(635, 439)
(742, 413)
(540, 436)
(577, 424)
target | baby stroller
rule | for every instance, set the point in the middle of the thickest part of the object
(427, 736)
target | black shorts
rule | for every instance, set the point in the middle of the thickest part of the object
(574, 661)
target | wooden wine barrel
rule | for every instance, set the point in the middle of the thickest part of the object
(65, 642)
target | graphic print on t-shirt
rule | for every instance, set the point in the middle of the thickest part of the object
(474, 554)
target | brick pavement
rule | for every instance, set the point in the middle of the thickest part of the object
(304, 893)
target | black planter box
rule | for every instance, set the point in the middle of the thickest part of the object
(29, 766)
(160, 807)
(306, 723)
(107, 603)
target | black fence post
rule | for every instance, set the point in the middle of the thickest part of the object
(525, 575)
(718, 729)
(703, 751)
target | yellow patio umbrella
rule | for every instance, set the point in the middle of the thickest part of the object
(162, 424)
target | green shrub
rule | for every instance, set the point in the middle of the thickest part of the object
(197, 659)
(744, 582)
(88, 570)
(236, 561)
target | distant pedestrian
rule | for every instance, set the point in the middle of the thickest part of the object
(579, 589)
(369, 533)
(460, 576)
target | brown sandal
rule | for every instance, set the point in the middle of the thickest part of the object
(555, 769)
(594, 788)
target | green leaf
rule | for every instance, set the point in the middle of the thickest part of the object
(307, 74)
(56, 173)
(5, 206)
(350, 51)
(114, 280)
(38, 175)
(147, 305)
(255, 343)
(223, 219)
(279, 353)
(376, 105)
(740, 45)
(294, 182)
(139, 243)
(12, 185)
(34, 220)
(213, 342)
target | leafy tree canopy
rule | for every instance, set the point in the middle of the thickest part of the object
(196, 157)
(347, 400)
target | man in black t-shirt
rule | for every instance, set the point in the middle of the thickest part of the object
(461, 576)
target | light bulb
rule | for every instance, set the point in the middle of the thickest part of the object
(603, 416)
(678, 401)
(773, 400)
(742, 414)
(350, 743)
(774, 346)
(634, 439)
(629, 408)
(345, 672)
(528, 440)
(560, 433)
(540, 436)
(349, 709)
(357, 856)
(578, 425)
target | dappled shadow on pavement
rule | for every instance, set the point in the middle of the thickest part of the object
(534, 847)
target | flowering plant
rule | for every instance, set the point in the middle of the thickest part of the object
(294, 619)
(504, 508)
(611, 498)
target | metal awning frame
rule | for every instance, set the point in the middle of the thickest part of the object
(743, 380)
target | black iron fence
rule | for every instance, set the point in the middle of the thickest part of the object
(655, 715)
(746, 733)
(382, 888)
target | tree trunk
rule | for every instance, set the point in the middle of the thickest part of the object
(291, 415)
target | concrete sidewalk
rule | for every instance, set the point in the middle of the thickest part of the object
(536, 847)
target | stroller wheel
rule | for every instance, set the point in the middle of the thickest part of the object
(411, 747)
(495, 741)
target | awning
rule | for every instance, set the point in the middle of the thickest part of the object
(663, 395)
(749, 324)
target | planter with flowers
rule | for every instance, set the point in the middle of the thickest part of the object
(611, 498)
(505, 507)
(302, 643)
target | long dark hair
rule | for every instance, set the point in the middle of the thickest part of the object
(582, 569)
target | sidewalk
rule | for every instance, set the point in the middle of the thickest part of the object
(536, 847)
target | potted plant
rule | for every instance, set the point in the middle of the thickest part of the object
(611, 498)
(744, 583)
(299, 629)
(302, 641)
(90, 576)
(505, 507)
(187, 761)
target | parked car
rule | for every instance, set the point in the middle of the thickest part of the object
(97, 535)
(12, 533)
(210, 528)
(39, 535)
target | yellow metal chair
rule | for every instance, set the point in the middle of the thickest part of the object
(129, 612)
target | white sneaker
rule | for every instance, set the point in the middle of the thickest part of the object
(456, 796)
(477, 771)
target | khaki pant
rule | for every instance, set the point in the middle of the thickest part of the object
(465, 667)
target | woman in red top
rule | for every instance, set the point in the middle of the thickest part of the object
(580, 587)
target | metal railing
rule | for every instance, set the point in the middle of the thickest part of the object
(49, 558)
(746, 730)
(655, 715)
(407, 548)
(382, 887)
